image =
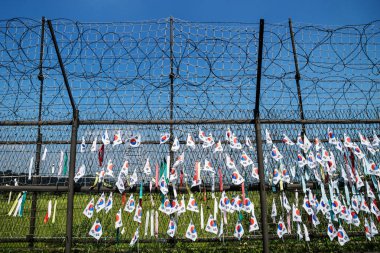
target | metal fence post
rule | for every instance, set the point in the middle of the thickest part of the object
(33, 209)
(297, 77)
(260, 156)
(73, 145)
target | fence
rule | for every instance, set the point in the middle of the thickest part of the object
(64, 80)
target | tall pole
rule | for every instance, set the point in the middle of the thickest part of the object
(73, 147)
(33, 209)
(297, 77)
(259, 144)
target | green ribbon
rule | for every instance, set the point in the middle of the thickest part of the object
(22, 204)
(65, 164)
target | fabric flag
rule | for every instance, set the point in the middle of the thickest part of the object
(306, 232)
(285, 174)
(374, 208)
(135, 141)
(236, 203)
(331, 135)
(274, 211)
(182, 206)
(339, 146)
(239, 230)
(367, 229)
(146, 223)
(255, 173)
(276, 155)
(94, 143)
(118, 220)
(228, 135)
(335, 204)
(357, 151)
(130, 206)
(364, 140)
(234, 143)
(54, 211)
(247, 205)
(296, 214)
(301, 160)
(202, 135)
(317, 144)
(248, 142)
(30, 168)
(281, 228)
(224, 203)
(133, 178)
(192, 204)
(164, 138)
(134, 238)
(156, 224)
(81, 172)
(96, 230)
(117, 139)
(172, 227)
(110, 168)
(287, 140)
(180, 159)
(197, 177)
(374, 230)
(151, 223)
(253, 225)
(364, 206)
(218, 147)
(307, 206)
(211, 226)
(105, 138)
(299, 231)
(376, 140)
(355, 204)
(315, 220)
(245, 160)
(202, 218)
(276, 176)
(89, 210)
(229, 162)
(83, 145)
(267, 137)
(355, 218)
(237, 179)
(221, 228)
(109, 203)
(208, 142)
(300, 143)
(307, 144)
(208, 166)
(166, 206)
(191, 232)
(286, 202)
(311, 160)
(370, 193)
(347, 141)
(331, 232)
(342, 236)
(147, 169)
(48, 213)
(101, 203)
(138, 214)
(175, 146)
(43, 158)
(120, 182)
(173, 175)
(101, 155)
(190, 141)
(325, 155)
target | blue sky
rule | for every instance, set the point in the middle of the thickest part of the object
(334, 12)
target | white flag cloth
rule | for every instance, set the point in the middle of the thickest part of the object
(134, 238)
(287, 140)
(175, 146)
(138, 214)
(101, 203)
(218, 147)
(117, 139)
(267, 137)
(281, 228)
(190, 141)
(192, 204)
(147, 169)
(180, 159)
(237, 179)
(191, 232)
(118, 219)
(172, 227)
(96, 230)
(105, 138)
(164, 138)
(89, 210)
(245, 160)
(44, 154)
(331, 232)
(109, 203)
(212, 226)
(30, 168)
(130, 205)
(239, 230)
(276, 155)
(342, 236)
(253, 225)
(83, 145)
(81, 172)
(94, 143)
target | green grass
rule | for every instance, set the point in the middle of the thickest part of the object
(18, 227)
